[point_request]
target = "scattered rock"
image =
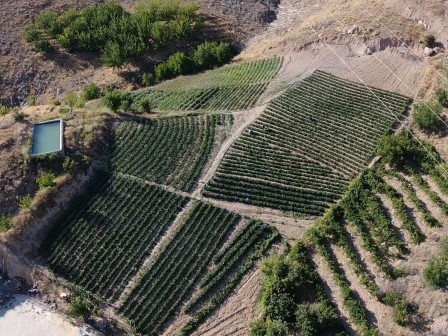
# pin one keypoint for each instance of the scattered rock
(352, 30)
(429, 51)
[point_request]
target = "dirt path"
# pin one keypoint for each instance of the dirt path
(238, 312)
(242, 120)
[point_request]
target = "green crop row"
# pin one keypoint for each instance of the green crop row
(104, 243)
(180, 266)
(321, 124)
(170, 151)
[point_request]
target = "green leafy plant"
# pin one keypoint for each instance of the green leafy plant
(113, 100)
(25, 202)
(69, 165)
(46, 180)
(436, 273)
(5, 223)
(148, 79)
(31, 100)
(442, 97)
(91, 91)
(428, 117)
(430, 41)
(4, 110)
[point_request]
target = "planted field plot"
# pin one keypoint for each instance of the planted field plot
(170, 151)
(225, 89)
(106, 240)
(301, 153)
(182, 265)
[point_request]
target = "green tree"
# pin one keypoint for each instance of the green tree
(5, 223)
(112, 100)
(113, 56)
(91, 91)
(148, 79)
(436, 273)
(403, 149)
(430, 41)
(442, 97)
(428, 117)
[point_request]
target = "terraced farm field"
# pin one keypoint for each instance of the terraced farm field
(229, 88)
(182, 265)
(304, 149)
(104, 242)
(169, 151)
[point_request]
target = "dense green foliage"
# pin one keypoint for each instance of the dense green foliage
(46, 180)
(293, 298)
(206, 56)
(442, 97)
(430, 41)
(104, 241)
(428, 117)
(169, 151)
(436, 273)
(300, 154)
(231, 88)
(5, 223)
(119, 36)
(166, 284)
(404, 150)
(91, 91)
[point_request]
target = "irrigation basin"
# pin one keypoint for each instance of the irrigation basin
(48, 138)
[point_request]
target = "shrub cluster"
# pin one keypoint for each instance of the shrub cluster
(119, 36)
(403, 150)
(293, 298)
(436, 273)
(428, 116)
(206, 56)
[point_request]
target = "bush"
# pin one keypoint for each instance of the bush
(19, 116)
(69, 165)
(442, 97)
(25, 202)
(4, 110)
(56, 102)
(80, 307)
(112, 100)
(145, 105)
(211, 54)
(46, 180)
(148, 79)
(430, 41)
(31, 101)
(428, 117)
(402, 150)
(91, 91)
(436, 273)
(71, 99)
(5, 223)
(401, 306)
(268, 328)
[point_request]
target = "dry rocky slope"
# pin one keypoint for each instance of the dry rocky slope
(303, 33)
